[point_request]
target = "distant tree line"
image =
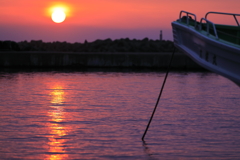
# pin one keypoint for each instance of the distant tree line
(107, 45)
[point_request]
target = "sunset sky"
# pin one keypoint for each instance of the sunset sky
(99, 19)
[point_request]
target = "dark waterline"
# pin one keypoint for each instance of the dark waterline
(102, 115)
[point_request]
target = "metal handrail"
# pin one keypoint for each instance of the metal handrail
(233, 14)
(188, 13)
(208, 26)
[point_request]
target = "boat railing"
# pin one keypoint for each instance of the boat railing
(208, 25)
(232, 14)
(223, 32)
(188, 17)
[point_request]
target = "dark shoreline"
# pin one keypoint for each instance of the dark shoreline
(119, 53)
(80, 60)
(107, 45)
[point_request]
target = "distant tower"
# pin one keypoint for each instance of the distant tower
(160, 35)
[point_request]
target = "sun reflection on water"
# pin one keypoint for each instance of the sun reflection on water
(57, 95)
(57, 129)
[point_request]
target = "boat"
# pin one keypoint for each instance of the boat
(213, 46)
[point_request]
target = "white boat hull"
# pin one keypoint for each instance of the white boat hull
(209, 52)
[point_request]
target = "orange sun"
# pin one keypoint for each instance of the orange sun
(58, 15)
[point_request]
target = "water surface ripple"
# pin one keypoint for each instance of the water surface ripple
(102, 115)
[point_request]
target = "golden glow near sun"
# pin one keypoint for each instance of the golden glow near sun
(58, 15)
(59, 11)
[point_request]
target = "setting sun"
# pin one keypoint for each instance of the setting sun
(58, 15)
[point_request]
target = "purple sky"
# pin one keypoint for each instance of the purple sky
(90, 20)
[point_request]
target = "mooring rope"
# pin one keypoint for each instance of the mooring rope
(159, 96)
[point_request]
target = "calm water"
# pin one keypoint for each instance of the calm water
(102, 115)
